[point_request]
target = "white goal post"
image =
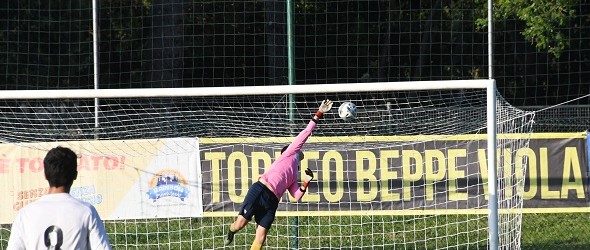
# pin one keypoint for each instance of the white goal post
(408, 172)
(246, 90)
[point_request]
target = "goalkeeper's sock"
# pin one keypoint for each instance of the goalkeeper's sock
(256, 246)
(230, 235)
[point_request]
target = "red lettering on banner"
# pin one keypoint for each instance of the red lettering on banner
(32, 193)
(91, 163)
(83, 163)
(36, 165)
(21, 164)
(110, 163)
(20, 204)
(25, 197)
(95, 160)
(4, 165)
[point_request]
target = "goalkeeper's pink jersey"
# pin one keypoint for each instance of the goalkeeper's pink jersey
(283, 173)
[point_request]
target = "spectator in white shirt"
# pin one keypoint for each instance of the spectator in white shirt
(58, 220)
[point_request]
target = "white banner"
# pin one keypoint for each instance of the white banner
(128, 179)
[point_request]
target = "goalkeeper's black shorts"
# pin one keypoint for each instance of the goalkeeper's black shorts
(260, 203)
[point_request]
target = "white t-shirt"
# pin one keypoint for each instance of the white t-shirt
(58, 221)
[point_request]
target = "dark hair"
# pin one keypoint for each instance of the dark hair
(284, 148)
(61, 167)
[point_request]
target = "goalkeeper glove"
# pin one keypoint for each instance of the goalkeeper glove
(308, 177)
(324, 107)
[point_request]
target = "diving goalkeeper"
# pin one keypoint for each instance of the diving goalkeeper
(262, 199)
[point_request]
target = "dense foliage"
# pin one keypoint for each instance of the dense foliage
(541, 48)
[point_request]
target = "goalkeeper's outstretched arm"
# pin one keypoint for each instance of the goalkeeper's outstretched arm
(294, 189)
(301, 138)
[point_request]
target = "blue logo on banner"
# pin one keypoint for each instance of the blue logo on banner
(168, 183)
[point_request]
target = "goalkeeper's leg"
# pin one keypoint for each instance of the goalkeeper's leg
(260, 238)
(264, 220)
(240, 223)
(247, 210)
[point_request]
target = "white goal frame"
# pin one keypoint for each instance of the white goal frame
(488, 84)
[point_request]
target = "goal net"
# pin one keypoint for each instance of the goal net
(169, 168)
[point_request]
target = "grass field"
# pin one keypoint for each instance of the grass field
(539, 231)
(556, 231)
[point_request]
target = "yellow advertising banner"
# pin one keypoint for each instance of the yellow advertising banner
(125, 179)
(405, 174)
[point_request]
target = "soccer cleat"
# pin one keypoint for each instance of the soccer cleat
(230, 238)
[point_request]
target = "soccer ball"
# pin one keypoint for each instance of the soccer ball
(347, 111)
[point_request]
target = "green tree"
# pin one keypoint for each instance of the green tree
(45, 44)
(543, 20)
